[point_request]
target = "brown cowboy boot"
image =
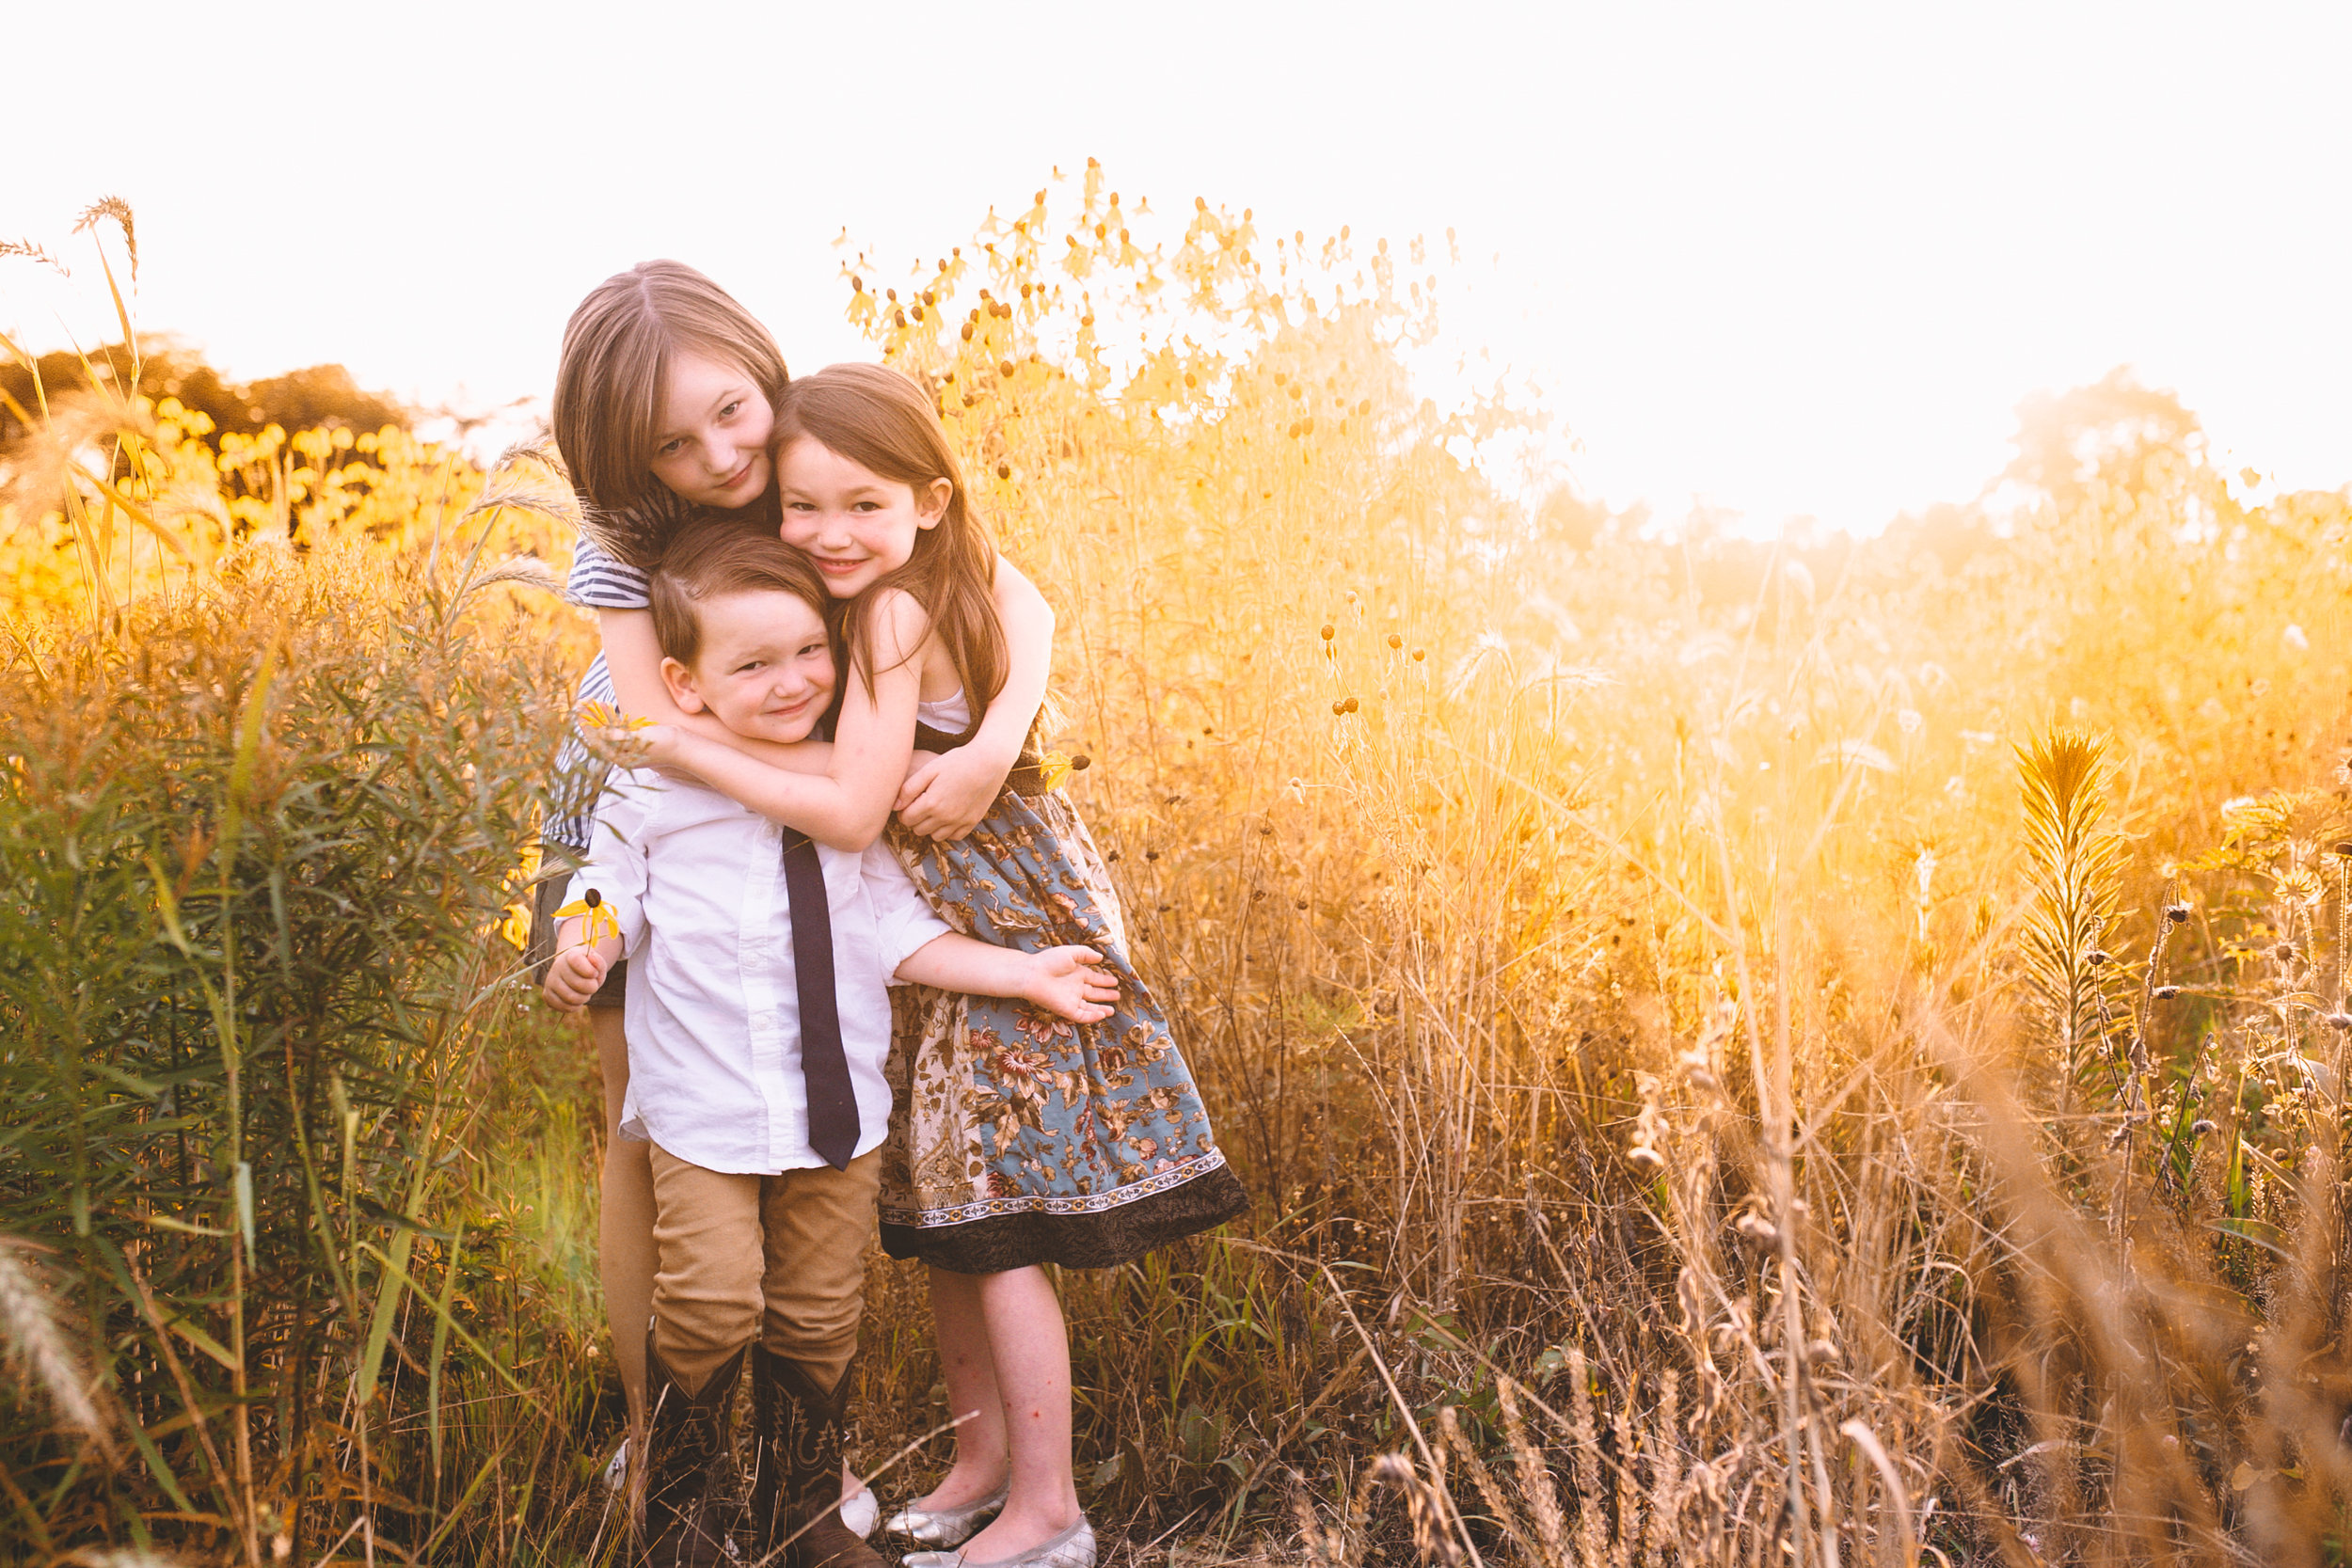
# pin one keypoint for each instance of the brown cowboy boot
(686, 1456)
(796, 1476)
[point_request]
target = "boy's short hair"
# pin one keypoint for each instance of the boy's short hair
(716, 556)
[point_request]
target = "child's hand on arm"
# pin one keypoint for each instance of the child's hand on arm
(947, 793)
(1068, 982)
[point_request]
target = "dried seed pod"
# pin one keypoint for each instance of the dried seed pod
(1646, 1159)
(2201, 1126)
(2098, 957)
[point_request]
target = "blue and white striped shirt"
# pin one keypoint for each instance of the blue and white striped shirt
(598, 581)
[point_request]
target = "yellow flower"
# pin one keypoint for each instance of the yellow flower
(602, 922)
(604, 716)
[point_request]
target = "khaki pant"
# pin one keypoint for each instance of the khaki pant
(779, 1258)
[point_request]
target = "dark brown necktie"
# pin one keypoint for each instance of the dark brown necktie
(833, 1126)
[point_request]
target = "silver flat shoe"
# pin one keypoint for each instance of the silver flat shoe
(947, 1527)
(1072, 1548)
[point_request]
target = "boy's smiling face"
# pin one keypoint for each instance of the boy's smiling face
(765, 668)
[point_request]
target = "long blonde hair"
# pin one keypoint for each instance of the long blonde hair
(609, 389)
(881, 420)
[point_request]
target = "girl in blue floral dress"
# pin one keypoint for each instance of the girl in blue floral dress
(1016, 1140)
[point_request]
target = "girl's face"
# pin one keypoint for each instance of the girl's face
(765, 668)
(711, 445)
(855, 524)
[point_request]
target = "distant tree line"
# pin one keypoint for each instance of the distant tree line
(318, 396)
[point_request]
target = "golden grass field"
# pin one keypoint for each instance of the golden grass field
(1821, 1051)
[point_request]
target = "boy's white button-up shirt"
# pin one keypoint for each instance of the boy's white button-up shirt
(696, 882)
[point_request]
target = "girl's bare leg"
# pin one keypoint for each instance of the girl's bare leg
(1030, 1352)
(969, 1371)
(624, 1252)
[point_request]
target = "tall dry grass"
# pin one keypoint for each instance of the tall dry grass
(1810, 1051)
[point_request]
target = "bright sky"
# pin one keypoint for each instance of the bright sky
(1786, 260)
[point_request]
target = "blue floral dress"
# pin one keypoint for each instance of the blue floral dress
(1017, 1137)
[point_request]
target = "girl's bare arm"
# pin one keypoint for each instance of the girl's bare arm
(946, 795)
(634, 659)
(1029, 665)
(846, 805)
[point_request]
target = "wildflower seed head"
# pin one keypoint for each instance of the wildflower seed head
(2098, 957)
(1646, 1159)
(1395, 642)
(1338, 708)
(2344, 850)
(1350, 706)
(1419, 653)
(2166, 993)
(2340, 1022)
(2177, 914)
(1329, 631)
(1757, 1228)
(1080, 762)
(2285, 951)
(2201, 1126)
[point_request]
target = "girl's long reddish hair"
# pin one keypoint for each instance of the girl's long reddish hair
(881, 420)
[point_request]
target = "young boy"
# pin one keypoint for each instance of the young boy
(756, 1038)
